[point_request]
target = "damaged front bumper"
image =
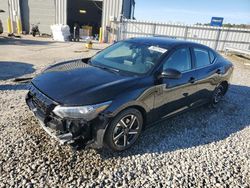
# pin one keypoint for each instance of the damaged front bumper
(63, 138)
(76, 132)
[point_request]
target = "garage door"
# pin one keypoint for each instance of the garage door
(34, 11)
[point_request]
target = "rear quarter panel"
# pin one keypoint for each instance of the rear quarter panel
(209, 78)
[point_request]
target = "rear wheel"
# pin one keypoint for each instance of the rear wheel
(124, 130)
(218, 95)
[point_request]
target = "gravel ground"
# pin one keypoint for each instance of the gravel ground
(202, 148)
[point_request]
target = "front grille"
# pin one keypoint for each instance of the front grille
(40, 105)
(41, 101)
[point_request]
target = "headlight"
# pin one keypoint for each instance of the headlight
(85, 112)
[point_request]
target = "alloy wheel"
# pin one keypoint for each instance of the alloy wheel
(126, 131)
(218, 94)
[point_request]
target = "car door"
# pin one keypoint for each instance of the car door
(177, 94)
(208, 72)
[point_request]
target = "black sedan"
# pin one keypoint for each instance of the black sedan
(107, 100)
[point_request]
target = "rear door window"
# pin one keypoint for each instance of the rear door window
(202, 57)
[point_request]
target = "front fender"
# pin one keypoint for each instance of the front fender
(143, 98)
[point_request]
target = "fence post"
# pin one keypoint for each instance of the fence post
(217, 39)
(124, 29)
(120, 26)
(153, 29)
(225, 40)
(186, 33)
(118, 30)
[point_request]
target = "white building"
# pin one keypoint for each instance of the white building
(96, 13)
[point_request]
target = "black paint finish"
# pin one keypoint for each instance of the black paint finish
(76, 83)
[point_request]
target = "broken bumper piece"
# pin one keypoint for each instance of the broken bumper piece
(66, 131)
(66, 138)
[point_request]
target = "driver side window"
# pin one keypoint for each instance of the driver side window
(180, 60)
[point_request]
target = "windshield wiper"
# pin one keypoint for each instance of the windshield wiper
(106, 68)
(112, 69)
(102, 67)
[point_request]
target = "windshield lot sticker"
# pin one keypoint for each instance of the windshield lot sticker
(157, 49)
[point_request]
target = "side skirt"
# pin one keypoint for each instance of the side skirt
(178, 112)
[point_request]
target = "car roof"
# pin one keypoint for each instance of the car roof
(162, 41)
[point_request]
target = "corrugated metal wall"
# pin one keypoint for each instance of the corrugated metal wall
(111, 8)
(42, 11)
(216, 37)
(61, 11)
(56, 12)
(49, 12)
(12, 10)
(4, 16)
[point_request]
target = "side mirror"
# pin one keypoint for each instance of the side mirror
(171, 74)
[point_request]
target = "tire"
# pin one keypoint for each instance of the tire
(218, 95)
(124, 130)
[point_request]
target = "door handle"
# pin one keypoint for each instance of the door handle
(191, 80)
(218, 71)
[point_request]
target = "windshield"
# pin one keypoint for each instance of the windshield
(129, 57)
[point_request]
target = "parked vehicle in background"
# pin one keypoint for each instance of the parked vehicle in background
(107, 100)
(1, 24)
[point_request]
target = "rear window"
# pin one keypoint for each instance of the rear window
(202, 57)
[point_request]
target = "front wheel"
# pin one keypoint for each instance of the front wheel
(124, 130)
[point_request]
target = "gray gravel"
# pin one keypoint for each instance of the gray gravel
(202, 148)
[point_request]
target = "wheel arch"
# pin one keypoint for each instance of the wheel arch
(101, 132)
(138, 107)
(143, 113)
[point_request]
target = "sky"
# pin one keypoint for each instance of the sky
(193, 11)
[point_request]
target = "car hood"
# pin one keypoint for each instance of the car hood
(76, 83)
